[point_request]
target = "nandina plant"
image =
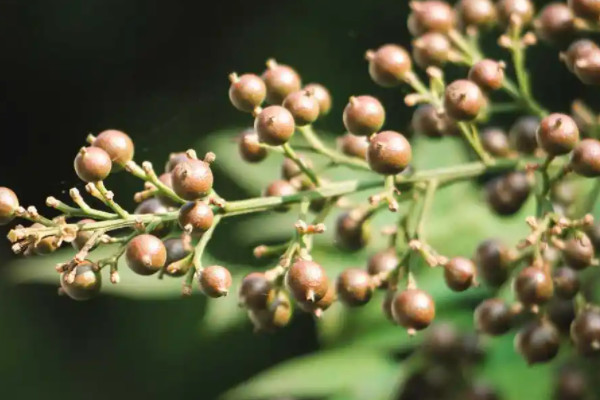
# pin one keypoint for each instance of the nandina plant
(540, 288)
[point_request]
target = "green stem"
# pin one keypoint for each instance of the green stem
(336, 157)
(467, 131)
(201, 246)
(291, 154)
(109, 201)
(426, 208)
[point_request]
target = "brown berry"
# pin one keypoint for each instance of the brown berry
(274, 125)
(9, 203)
(426, 120)
(413, 309)
(587, 69)
(246, 92)
(382, 263)
(561, 313)
(281, 80)
(389, 153)
(352, 231)
(322, 95)
(254, 291)
(578, 252)
(463, 100)
(192, 179)
(118, 145)
(276, 315)
(493, 317)
(154, 205)
(571, 384)
(354, 146)
(363, 115)
(431, 49)
(215, 281)
(307, 281)
(177, 249)
(303, 106)
(578, 50)
(538, 342)
(566, 283)
(522, 134)
(321, 305)
(585, 159)
(521, 9)
(585, 331)
(507, 194)
(459, 273)
(479, 13)
(555, 23)
(146, 254)
(92, 164)
(174, 159)
(586, 9)
(82, 237)
(487, 74)
(430, 15)
(354, 287)
(87, 281)
(495, 141)
(533, 286)
(557, 134)
(250, 148)
(493, 262)
(388, 65)
(280, 188)
(195, 217)
(442, 343)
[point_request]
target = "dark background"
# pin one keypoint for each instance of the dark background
(158, 70)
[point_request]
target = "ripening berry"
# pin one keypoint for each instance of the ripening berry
(538, 342)
(413, 309)
(459, 273)
(561, 313)
(274, 125)
(522, 134)
(177, 249)
(557, 134)
(430, 15)
(192, 179)
(585, 331)
(354, 287)
(487, 74)
(215, 281)
(82, 237)
(174, 159)
(323, 304)
(431, 49)
(585, 160)
(290, 170)
(275, 316)
(533, 286)
(478, 13)
(578, 252)
(351, 231)
(578, 50)
(389, 153)
(442, 343)
(463, 100)
(146, 254)
(570, 385)
(566, 283)
(495, 141)
(303, 106)
(587, 69)
(118, 145)
(492, 262)
(322, 95)
(92, 164)
(521, 9)
(87, 282)
(154, 205)
(586, 9)
(195, 217)
(383, 262)
(354, 146)
(307, 281)
(246, 92)
(555, 23)
(507, 194)
(493, 317)
(388, 65)
(426, 120)
(250, 148)
(254, 291)
(279, 188)
(281, 80)
(363, 115)
(9, 203)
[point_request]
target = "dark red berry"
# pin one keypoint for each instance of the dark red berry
(177, 249)
(495, 142)
(561, 313)
(426, 120)
(254, 291)
(555, 23)
(431, 49)
(118, 145)
(146, 254)
(586, 9)
(578, 252)
(383, 262)
(557, 134)
(82, 237)
(587, 69)
(291, 170)
(321, 305)
(538, 342)
(192, 179)
(322, 95)
(493, 262)
(521, 9)
(250, 148)
(459, 273)
(430, 15)
(522, 134)
(352, 231)
(307, 281)
(566, 282)
(585, 159)
(463, 100)
(388, 65)
(354, 287)
(354, 146)
(534, 286)
(8, 205)
(507, 194)
(303, 106)
(281, 80)
(389, 153)
(363, 115)
(578, 50)
(413, 309)
(274, 125)
(479, 13)
(585, 331)
(92, 164)
(493, 317)
(488, 74)
(246, 92)
(196, 217)
(87, 282)
(276, 315)
(215, 281)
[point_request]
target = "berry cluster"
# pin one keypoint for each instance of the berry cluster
(536, 284)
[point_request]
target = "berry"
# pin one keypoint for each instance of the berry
(493, 317)
(46, 245)
(281, 80)
(479, 13)
(430, 15)
(495, 142)
(87, 282)
(522, 134)
(307, 281)
(586, 9)
(428, 121)
(578, 252)
(323, 304)
(354, 146)
(389, 65)
(442, 343)
(413, 309)
(8, 205)
(82, 237)
(459, 274)
(585, 331)
(431, 49)
(354, 287)
(215, 281)
(303, 106)
(146, 254)
(487, 74)
(290, 170)
(566, 283)
(570, 385)
(154, 205)
(274, 125)
(578, 50)
(177, 249)
(507, 194)
(389, 153)
(587, 69)
(280, 188)
(254, 291)
(322, 95)
(118, 145)
(192, 179)
(561, 313)
(557, 134)
(250, 148)
(351, 231)
(555, 23)
(383, 262)
(492, 262)
(363, 115)
(174, 159)
(593, 233)
(538, 342)
(92, 164)
(195, 217)
(533, 286)
(585, 159)
(463, 100)
(276, 315)
(521, 9)
(247, 91)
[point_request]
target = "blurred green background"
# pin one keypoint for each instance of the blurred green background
(158, 70)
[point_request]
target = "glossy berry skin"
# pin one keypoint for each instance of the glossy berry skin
(463, 100)
(196, 216)
(388, 65)
(479, 13)
(303, 106)
(522, 134)
(321, 305)
(566, 283)
(487, 74)
(354, 287)
(118, 145)
(555, 23)
(154, 205)
(459, 274)
(215, 281)
(177, 249)
(389, 153)
(431, 49)
(561, 313)
(351, 232)
(495, 141)
(249, 147)
(557, 134)
(82, 236)
(92, 164)
(578, 50)
(507, 194)
(307, 281)
(533, 286)
(274, 125)
(87, 282)
(585, 331)
(322, 95)
(383, 262)
(522, 9)
(354, 146)
(281, 80)
(538, 342)
(493, 317)
(174, 159)
(192, 179)
(586, 9)
(413, 309)
(492, 262)
(247, 92)
(587, 69)
(578, 252)
(146, 254)
(426, 120)
(430, 15)
(254, 291)
(585, 160)
(9, 203)
(363, 115)
(276, 315)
